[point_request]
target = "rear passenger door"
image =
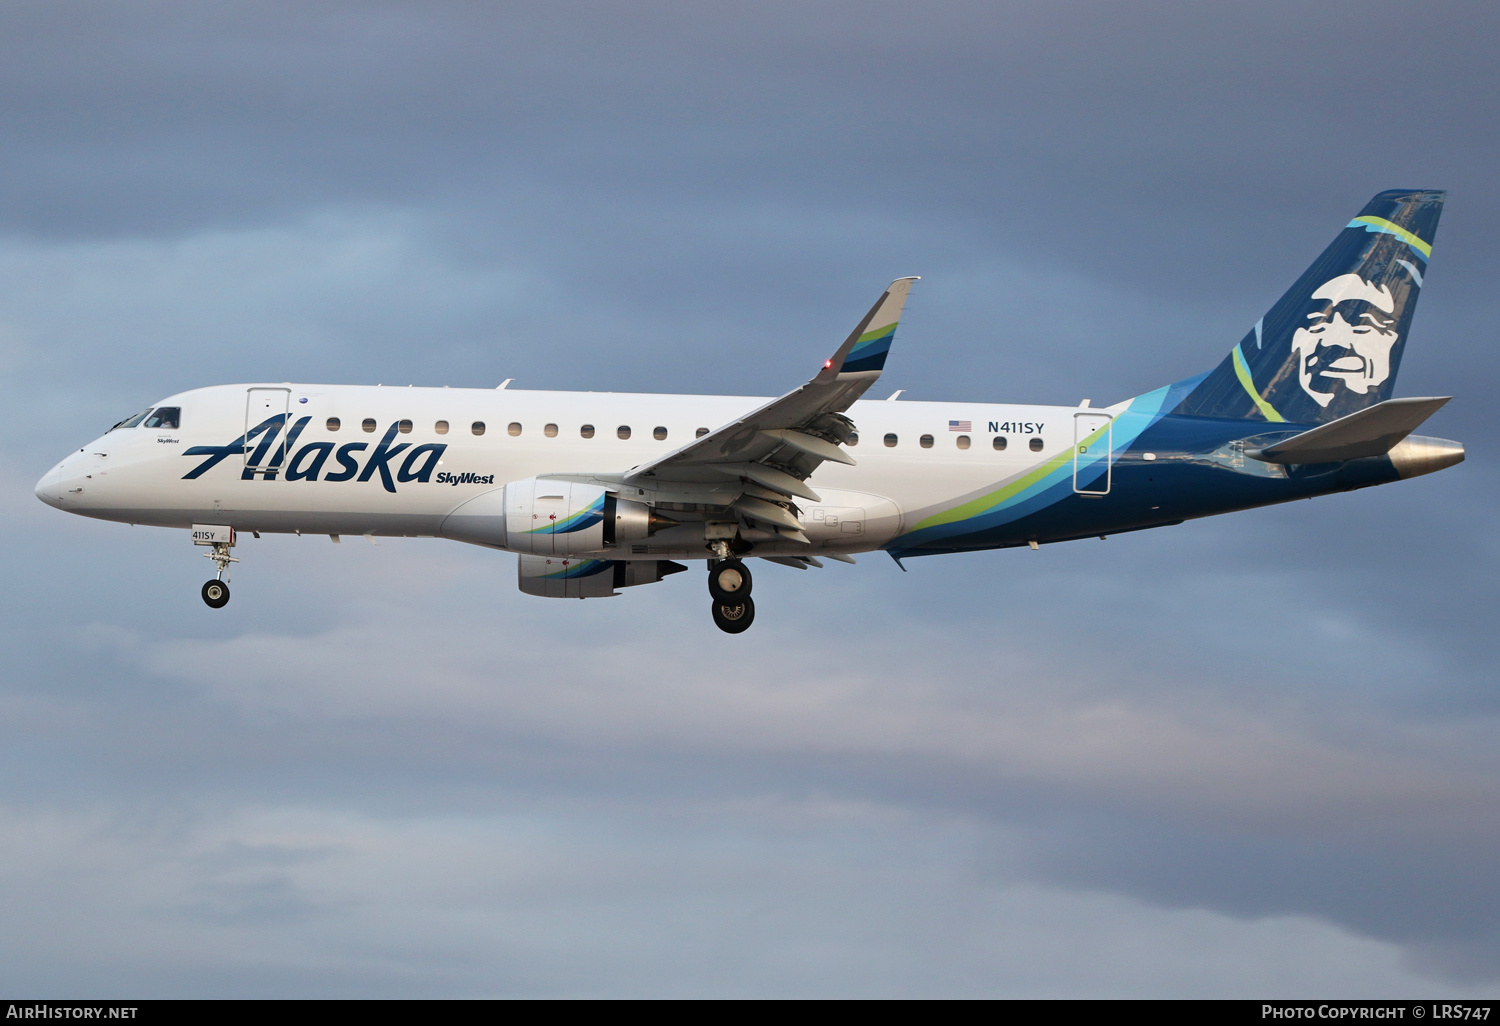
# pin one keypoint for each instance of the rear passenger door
(1093, 444)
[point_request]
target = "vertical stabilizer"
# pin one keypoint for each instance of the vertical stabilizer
(1333, 343)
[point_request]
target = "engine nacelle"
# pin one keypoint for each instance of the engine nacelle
(555, 518)
(561, 577)
(546, 517)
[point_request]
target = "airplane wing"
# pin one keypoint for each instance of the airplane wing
(773, 450)
(1369, 432)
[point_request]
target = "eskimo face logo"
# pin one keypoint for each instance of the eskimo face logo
(1347, 341)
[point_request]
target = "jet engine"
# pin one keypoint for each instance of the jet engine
(547, 517)
(561, 577)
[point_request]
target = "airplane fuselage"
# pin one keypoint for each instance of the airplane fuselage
(930, 476)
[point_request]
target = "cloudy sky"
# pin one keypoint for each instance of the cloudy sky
(1242, 757)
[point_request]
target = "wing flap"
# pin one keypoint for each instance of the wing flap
(769, 477)
(812, 445)
(768, 512)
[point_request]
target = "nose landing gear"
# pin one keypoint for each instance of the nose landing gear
(729, 583)
(219, 541)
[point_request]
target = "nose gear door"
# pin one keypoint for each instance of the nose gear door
(262, 404)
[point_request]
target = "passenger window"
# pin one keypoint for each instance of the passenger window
(853, 438)
(513, 429)
(1000, 442)
(368, 424)
(925, 441)
(701, 432)
(334, 423)
(1036, 445)
(623, 431)
(441, 427)
(660, 434)
(165, 417)
(963, 441)
(477, 427)
(587, 431)
(129, 422)
(550, 430)
(404, 426)
(890, 441)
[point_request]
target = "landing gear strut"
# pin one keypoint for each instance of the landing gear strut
(729, 583)
(216, 592)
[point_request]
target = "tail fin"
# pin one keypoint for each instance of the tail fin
(1332, 344)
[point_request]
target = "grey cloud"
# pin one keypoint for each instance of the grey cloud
(970, 112)
(560, 903)
(1252, 803)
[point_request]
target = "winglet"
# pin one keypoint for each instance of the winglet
(868, 344)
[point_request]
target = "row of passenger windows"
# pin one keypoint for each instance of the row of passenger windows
(891, 440)
(168, 417)
(1000, 442)
(513, 428)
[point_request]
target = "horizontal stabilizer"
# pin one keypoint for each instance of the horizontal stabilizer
(1373, 431)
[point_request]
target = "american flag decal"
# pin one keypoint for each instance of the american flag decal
(960, 425)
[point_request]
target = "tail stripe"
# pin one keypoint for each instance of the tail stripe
(1380, 224)
(1242, 371)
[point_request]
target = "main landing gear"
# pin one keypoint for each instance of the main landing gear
(729, 584)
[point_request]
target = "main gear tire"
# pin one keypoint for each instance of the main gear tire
(734, 617)
(729, 581)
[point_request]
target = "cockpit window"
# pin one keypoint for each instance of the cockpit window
(165, 417)
(131, 421)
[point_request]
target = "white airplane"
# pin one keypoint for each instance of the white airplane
(602, 491)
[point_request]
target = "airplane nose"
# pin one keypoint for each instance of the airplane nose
(50, 488)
